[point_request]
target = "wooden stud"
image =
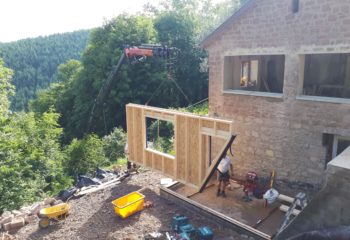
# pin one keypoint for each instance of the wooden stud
(144, 136)
(200, 156)
(187, 147)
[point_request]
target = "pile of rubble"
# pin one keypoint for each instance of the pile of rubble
(11, 221)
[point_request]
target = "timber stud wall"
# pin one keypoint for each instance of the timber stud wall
(190, 163)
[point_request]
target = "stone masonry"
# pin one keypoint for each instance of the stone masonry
(284, 133)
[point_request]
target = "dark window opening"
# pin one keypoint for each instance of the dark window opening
(254, 73)
(295, 6)
(160, 135)
(342, 145)
(327, 75)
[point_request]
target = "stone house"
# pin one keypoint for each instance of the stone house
(281, 70)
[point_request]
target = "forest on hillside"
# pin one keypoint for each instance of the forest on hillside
(44, 149)
(35, 61)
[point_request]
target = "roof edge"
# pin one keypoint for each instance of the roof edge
(237, 14)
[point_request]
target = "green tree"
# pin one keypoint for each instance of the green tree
(6, 89)
(114, 144)
(35, 62)
(84, 156)
(30, 159)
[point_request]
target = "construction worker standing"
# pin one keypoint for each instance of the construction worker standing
(224, 168)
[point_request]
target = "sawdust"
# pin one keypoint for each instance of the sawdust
(93, 217)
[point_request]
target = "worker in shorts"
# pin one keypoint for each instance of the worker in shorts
(224, 168)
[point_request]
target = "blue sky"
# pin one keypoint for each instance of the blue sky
(31, 18)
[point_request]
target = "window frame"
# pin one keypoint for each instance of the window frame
(301, 80)
(251, 57)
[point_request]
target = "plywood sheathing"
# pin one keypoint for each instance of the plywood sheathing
(190, 164)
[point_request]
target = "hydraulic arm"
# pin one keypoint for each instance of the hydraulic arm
(135, 55)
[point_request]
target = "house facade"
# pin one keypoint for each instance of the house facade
(280, 69)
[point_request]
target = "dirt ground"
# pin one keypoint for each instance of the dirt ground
(93, 217)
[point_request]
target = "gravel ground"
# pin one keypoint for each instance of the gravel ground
(92, 216)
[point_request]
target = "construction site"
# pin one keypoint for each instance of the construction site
(279, 109)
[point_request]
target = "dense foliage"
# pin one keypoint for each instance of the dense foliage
(44, 149)
(85, 155)
(114, 145)
(35, 61)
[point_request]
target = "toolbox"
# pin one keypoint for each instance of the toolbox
(205, 233)
(189, 229)
(178, 221)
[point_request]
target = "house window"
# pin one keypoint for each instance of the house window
(327, 75)
(254, 73)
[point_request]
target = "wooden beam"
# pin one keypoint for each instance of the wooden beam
(187, 137)
(216, 162)
(216, 133)
(178, 113)
(200, 153)
(159, 116)
(285, 208)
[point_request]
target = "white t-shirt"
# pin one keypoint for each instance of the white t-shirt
(224, 164)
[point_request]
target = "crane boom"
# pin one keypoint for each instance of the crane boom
(137, 54)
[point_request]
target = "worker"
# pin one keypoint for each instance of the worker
(224, 168)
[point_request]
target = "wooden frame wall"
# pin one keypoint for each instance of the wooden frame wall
(190, 163)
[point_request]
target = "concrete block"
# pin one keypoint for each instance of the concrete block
(7, 226)
(16, 212)
(6, 219)
(6, 214)
(30, 219)
(17, 223)
(49, 200)
(34, 210)
(25, 210)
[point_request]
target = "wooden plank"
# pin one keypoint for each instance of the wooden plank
(285, 198)
(129, 126)
(204, 161)
(144, 137)
(285, 208)
(218, 133)
(180, 137)
(178, 113)
(175, 148)
(216, 162)
(200, 155)
(193, 165)
(169, 166)
(187, 147)
(138, 148)
(160, 116)
(149, 160)
(225, 127)
(158, 162)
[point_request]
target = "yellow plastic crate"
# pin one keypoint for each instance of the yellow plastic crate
(128, 204)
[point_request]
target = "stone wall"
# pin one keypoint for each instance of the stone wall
(283, 132)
